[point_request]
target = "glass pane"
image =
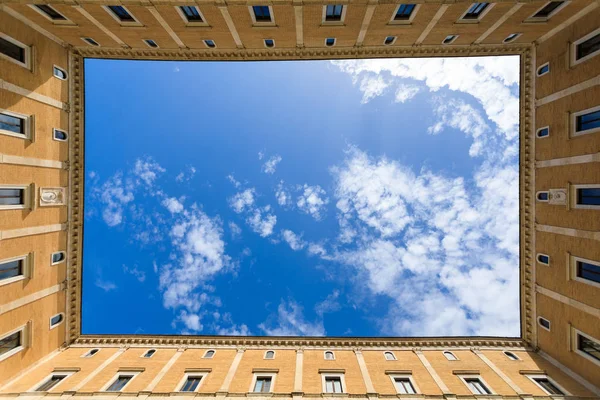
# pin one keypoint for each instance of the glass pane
(58, 257)
(548, 386)
(12, 124)
(56, 319)
(590, 347)
(548, 9)
(10, 342)
(50, 383)
(588, 196)
(11, 197)
(588, 47)
(121, 13)
(12, 50)
(11, 269)
(119, 383)
(51, 12)
(588, 271)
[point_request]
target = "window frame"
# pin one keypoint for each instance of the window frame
(59, 323)
(325, 375)
(265, 355)
(62, 70)
(58, 262)
(85, 38)
(573, 196)
(206, 44)
(552, 381)
(393, 377)
(533, 19)
(143, 355)
(573, 49)
(342, 20)
(464, 377)
(454, 37)
(506, 39)
(265, 43)
(185, 377)
(392, 42)
(541, 129)
(88, 355)
(114, 378)
(573, 117)
(537, 259)
(330, 45)
(575, 344)
(68, 373)
(27, 125)
(28, 202)
(26, 268)
(207, 351)
(256, 375)
(135, 21)
(54, 130)
(65, 21)
(453, 355)
(537, 71)
(407, 21)
(325, 355)
(188, 22)
(540, 200)
(394, 358)
(261, 23)
(462, 20)
(539, 319)
(27, 53)
(148, 44)
(25, 339)
(573, 265)
(506, 353)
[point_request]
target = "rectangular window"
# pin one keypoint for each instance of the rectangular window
(119, 383)
(476, 385)
(476, 11)
(14, 341)
(587, 197)
(587, 270)
(547, 385)
(333, 384)
(191, 13)
(54, 380)
(50, 12)
(261, 13)
(263, 384)
(12, 123)
(11, 269)
(191, 383)
(334, 13)
(14, 51)
(586, 47)
(587, 121)
(404, 385)
(547, 11)
(12, 197)
(404, 12)
(121, 13)
(589, 347)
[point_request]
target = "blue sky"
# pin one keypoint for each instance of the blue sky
(350, 198)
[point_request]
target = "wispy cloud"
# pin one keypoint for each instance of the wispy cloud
(312, 200)
(139, 274)
(295, 241)
(290, 321)
(270, 165)
(107, 286)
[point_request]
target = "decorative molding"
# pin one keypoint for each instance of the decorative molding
(298, 372)
(589, 386)
(232, 369)
(585, 11)
(438, 15)
(52, 196)
(231, 26)
(166, 26)
(557, 162)
(566, 300)
(23, 301)
(34, 230)
(99, 369)
(164, 371)
(364, 371)
(299, 16)
(32, 24)
(498, 371)
(569, 91)
(31, 162)
(440, 383)
(365, 23)
(100, 26)
(568, 231)
(33, 95)
(500, 21)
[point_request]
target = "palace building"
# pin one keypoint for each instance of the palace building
(42, 49)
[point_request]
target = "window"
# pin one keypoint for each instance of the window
(15, 269)
(547, 385)
(511, 356)
(329, 42)
(586, 47)
(262, 384)
(53, 380)
(90, 353)
(151, 43)
(333, 384)
(548, 10)
(261, 14)
(122, 15)
(14, 124)
(404, 13)
(191, 383)
(588, 347)
(389, 40)
(191, 15)
(120, 382)
(59, 73)
(56, 320)
(476, 385)
(404, 385)
(542, 196)
(475, 12)
(59, 135)
(269, 43)
(209, 354)
(543, 132)
(90, 41)
(58, 257)
(329, 355)
(450, 356)
(511, 37)
(210, 43)
(51, 14)
(543, 259)
(449, 39)
(587, 196)
(149, 353)
(586, 271)
(269, 355)
(13, 197)
(334, 13)
(543, 69)
(544, 323)
(14, 341)
(586, 121)
(389, 356)
(15, 51)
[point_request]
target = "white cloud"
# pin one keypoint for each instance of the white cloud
(295, 241)
(329, 305)
(114, 194)
(312, 201)
(372, 86)
(190, 320)
(147, 170)
(186, 175)
(107, 286)
(137, 273)
(233, 181)
(261, 155)
(270, 165)
(262, 221)
(173, 205)
(290, 321)
(282, 195)
(405, 92)
(243, 200)
(235, 230)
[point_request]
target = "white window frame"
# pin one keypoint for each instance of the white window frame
(483, 382)
(135, 21)
(27, 52)
(537, 71)
(552, 381)
(539, 130)
(452, 41)
(185, 377)
(506, 353)
(574, 116)
(25, 339)
(542, 191)
(531, 18)
(61, 261)
(334, 42)
(146, 352)
(192, 23)
(265, 43)
(325, 355)
(48, 377)
(116, 376)
(574, 333)
(410, 378)
(63, 70)
(88, 43)
(573, 196)
(573, 265)
(408, 21)
(207, 46)
(325, 375)
(261, 23)
(88, 355)
(65, 21)
(342, 20)
(542, 254)
(58, 324)
(506, 41)
(60, 130)
(461, 20)
(573, 51)
(393, 355)
(389, 44)
(27, 269)
(265, 355)
(256, 375)
(27, 197)
(147, 44)
(549, 329)
(454, 355)
(206, 352)
(28, 121)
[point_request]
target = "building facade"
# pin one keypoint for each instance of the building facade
(42, 48)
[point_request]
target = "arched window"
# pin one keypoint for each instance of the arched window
(511, 355)
(542, 196)
(56, 320)
(544, 323)
(450, 356)
(91, 353)
(389, 356)
(59, 135)
(58, 257)
(269, 355)
(329, 355)
(209, 354)
(60, 73)
(543, 259)
(149, 353)
(511, 37)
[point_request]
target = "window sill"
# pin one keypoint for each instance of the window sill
(14, 279)
(334, 394)
(11, 352)
(264, 25)
(259, 394)
(198, 25)
(340, 24)
(400, 23)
